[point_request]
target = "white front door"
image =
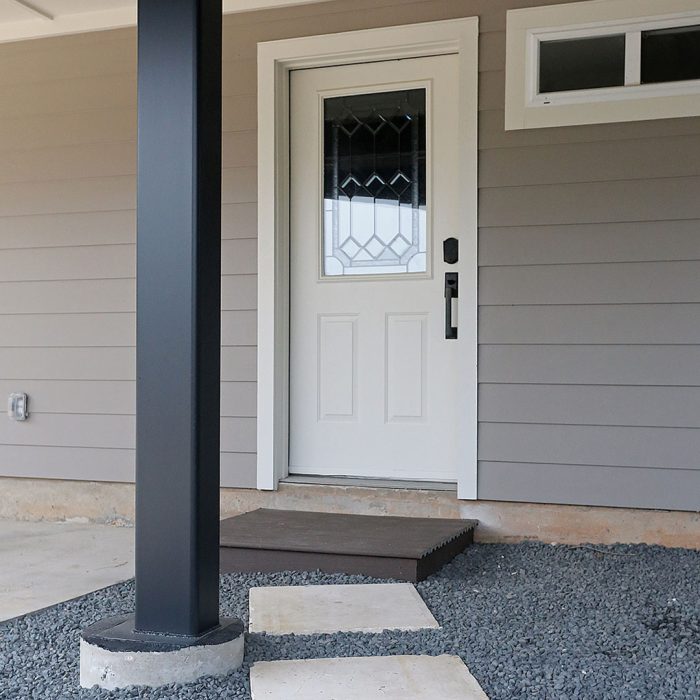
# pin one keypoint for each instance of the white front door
(374, 189)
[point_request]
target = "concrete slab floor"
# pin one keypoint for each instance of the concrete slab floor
(373, 607)
(48, 562)
(366, 678)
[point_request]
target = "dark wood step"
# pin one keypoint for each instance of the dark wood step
(408, 549)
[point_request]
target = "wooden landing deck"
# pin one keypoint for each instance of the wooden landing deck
(408, 549)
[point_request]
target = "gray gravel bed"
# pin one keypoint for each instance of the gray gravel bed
(530, 621)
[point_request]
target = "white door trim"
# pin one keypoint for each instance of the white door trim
(275, 60)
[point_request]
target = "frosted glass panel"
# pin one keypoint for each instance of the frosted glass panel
(374, 200)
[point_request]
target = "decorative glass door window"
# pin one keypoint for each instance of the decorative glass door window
(374, 184)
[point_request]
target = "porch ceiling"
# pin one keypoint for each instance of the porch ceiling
(29, 19)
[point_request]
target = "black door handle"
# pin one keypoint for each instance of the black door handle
(451, 292)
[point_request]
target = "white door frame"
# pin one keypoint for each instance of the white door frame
(275, 60)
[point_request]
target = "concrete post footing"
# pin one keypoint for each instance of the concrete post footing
(113, 655)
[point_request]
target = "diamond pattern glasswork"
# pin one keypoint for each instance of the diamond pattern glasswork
(374, 171)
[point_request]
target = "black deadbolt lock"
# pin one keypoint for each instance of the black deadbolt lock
(450, 250)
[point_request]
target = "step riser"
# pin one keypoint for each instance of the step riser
(405, 549)
(246, 560)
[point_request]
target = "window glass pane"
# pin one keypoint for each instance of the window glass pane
(581, 64)
(374, 184)
(671, 54)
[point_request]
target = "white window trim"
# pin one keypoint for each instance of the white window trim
(526, 109)
(275, 60)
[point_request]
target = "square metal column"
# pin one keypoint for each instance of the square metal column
(178, 316)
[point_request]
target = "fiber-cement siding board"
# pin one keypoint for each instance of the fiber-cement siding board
(657, 365)
(673, 156)
(646, 241)
(605, 445)
(589, 485)
(238, 292)
(68, 196)
(238, 399)
(239, 256)
(93, 363)
(73, 229)
(492, 133)
(239, 364)
(665, 199)
(602, 324)
(70, 430)
(84, 463)
(68, 296)
(68, 330)
(70, 128)
(239, 328)
(70, 61)
(68, 263)
(60, 96)
(238, 434)
(590, 283)
(239, 221)
(238, 470)
(555, 404)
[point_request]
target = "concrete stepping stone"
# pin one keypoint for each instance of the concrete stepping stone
(338, 608)
(366, 678)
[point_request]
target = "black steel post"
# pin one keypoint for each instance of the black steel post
(178, 316)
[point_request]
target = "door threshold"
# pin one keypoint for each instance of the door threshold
(366, 482)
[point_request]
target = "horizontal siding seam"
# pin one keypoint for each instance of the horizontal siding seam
(126, 107)
(118, 210)
(104, 414)
(588, 262)
(106, 279)
(43, 280)
(65, 146)
(71, 245)
(107, 142)
(481, 461)
(72, 212)
(98, 447)
(100, 211)
(619, 384)
(564, 183)
(588, 304)
(66, 447)
(574, 224)
(579, 385)
(93, 347)
(564, 144)
(92, 381)
(635, 426)
(105, 245)
(228, 63)
(113, 176)
(589, 345)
